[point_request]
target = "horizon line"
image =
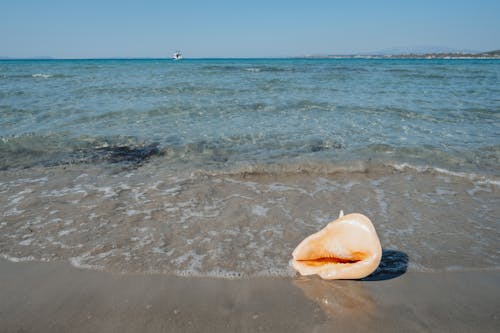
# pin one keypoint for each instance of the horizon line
(379, 53)
(303, 56)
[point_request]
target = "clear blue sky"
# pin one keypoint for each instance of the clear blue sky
(257, 28)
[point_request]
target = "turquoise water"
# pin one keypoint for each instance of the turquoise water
(221, 112)
(221, 167)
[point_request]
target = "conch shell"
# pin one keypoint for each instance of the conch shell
(347, 248)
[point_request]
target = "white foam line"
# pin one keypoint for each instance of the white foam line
(40, 75)
(17, 259)
(469, 176)
(78, 262)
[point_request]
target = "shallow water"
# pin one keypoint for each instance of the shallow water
(221, 167)
(222, 112)
(243, 223)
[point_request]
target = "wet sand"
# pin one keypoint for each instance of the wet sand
(56, 297)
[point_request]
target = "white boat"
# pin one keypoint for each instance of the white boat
(177, 55)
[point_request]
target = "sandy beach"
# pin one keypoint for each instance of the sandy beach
(188, 166)
(56, 297)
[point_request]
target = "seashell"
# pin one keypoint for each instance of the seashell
(347, 248)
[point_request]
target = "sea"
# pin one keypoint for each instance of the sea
(220, 167)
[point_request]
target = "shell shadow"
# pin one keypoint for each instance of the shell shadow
(393, 264)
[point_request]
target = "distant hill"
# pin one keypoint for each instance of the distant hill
(431, 55)
(423, 50)
(495, 53)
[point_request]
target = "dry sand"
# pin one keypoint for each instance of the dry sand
(56, 297)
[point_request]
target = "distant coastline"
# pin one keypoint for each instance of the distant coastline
(410, 55)
(439, 55)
